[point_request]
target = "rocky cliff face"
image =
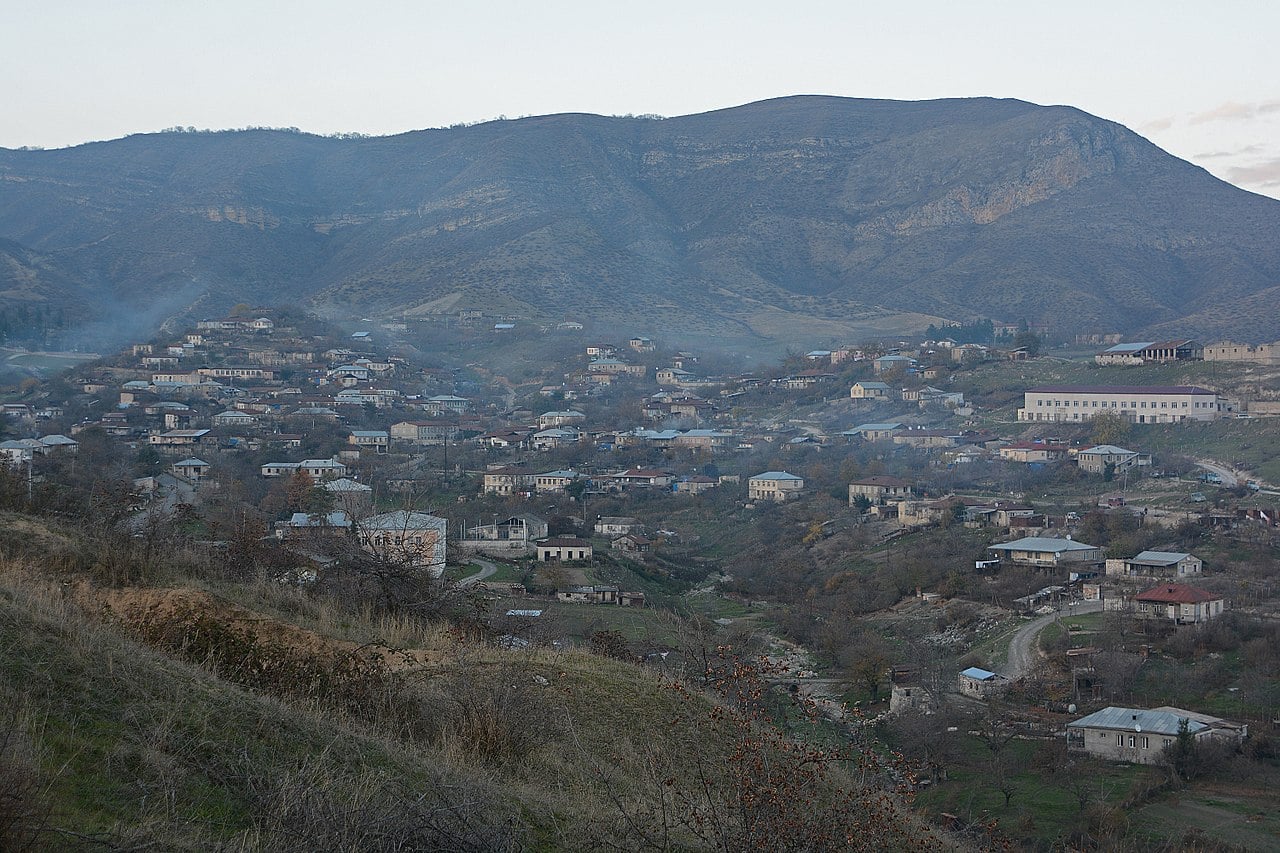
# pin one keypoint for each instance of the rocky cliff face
(765, 220)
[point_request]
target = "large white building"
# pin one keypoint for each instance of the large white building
(1143, 404)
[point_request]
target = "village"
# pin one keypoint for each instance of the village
(613, 479)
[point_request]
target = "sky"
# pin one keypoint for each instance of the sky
(1200, 80)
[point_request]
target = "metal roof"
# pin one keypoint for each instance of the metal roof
(1042, 543)
(978, 674)
(1137, 720)
(1158, 558)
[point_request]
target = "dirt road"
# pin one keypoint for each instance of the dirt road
(1024, 652)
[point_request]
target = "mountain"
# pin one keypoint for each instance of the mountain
(807, 218)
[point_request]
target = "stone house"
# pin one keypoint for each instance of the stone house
(774, 486)
(880, 490)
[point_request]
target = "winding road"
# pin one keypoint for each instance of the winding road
(1023, 651)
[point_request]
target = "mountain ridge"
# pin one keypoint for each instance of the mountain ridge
(856, 215)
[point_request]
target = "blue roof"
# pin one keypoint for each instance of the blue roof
(776, 475)
(978, 674)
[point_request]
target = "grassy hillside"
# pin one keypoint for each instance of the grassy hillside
(195, 715)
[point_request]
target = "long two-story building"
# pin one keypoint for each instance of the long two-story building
(1143, 404)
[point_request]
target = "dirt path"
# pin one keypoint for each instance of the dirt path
(1023, 649)
(487, 569)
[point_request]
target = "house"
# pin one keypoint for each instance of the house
(415, 539)
(1144, 404)
(617, 525)
(377, 440)
(446, 404)
(233, 419)
(1141, 736)
(928, 395)
(1046, 552)
(980, 683)
(673, 376)
(424, 432)
(887, 363)
(509, 537)
(879, 490)
(641, 344)
(1183, 604)
(334, 524)
(317, 469)
(870, 391)
(509, 480)
(615, 367)
(632, 543)
(873, 432)
(774, 486)
(379, 398)
(588, 595)
(59, 444)
(1031, 452)
(179, 438)
(191, 469)
(554, 481)
(559, 549)
(639, 478)
(701, 439)
(923, 513)
(16, 451)
(694, 485)
(570, 417)
(804, 379)
(549, 439)
(503, 439)
(931, 438)
(1167, 565)
(1096, 459)
(352, 497)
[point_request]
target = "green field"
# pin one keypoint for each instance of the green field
(1047, 800)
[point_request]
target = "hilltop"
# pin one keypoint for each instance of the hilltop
(839, 217)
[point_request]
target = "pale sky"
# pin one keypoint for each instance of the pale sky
(1201, 80)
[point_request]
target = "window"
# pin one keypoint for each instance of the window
(1119, 740)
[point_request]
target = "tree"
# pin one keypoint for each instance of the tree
(1109, 428)
(1028, 341)
(298, 490)
(866, 659)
